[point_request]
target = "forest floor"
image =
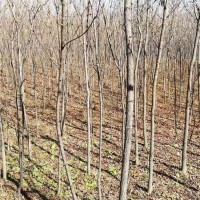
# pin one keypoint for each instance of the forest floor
(41, 170)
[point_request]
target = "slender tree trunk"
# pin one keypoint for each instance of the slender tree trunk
(87, 88)
(59, 120)
(181, 79)
(169, 77)
(123, 106)
(198, 71)
(21, 132)
(100, 132)
(187, 107)
(3, 149)
(145, 78)
(100, 85)
(129, 100)
(136, 98)
(35, 92)
(136, 88)
(175, 100)
(160, 48)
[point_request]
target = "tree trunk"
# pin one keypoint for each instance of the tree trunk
(187, 107)
(59, 107)
(87, 88)
(145, 77)
(129, 100)
(160, 48)
(198, 71)
(3, 149)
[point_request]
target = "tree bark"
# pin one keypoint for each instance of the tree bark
(129, 100)
(188, 99)
(85, 26)
(145, 77)
(3, 149)
(153, 108)
(59, 120)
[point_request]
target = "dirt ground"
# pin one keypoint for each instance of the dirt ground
(41, 170)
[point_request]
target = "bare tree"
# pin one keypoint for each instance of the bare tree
(85, 27)
(3, 149)
(59, 105)
(153, 108)
(129, 100)
(145, 74)
(188, 98)
(198, 66)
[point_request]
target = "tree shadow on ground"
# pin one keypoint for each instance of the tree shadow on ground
(141, 187)
(163, 174)
(27, 194)
(176, 180)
